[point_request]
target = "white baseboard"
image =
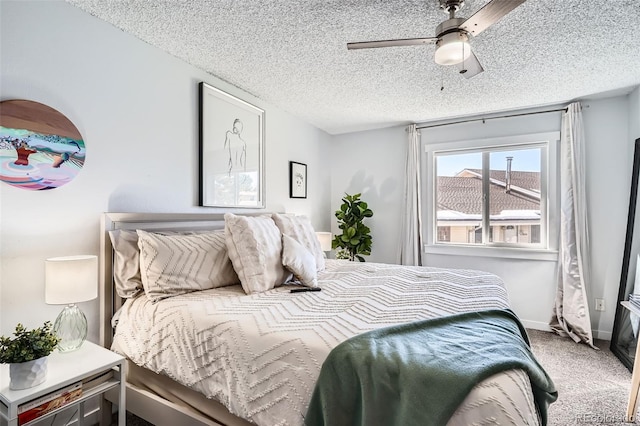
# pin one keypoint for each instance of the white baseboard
(602, 335)
(542, 326)
(535, 325)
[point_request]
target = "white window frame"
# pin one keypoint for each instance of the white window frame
(549, 178)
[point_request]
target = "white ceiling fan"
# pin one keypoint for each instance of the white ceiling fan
(452, 36)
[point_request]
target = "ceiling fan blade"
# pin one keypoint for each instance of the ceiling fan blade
(490, 13)
(390, 43)
(471, 66)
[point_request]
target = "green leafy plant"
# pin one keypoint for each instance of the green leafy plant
(27, 345)
(342, 254)
(356, 236)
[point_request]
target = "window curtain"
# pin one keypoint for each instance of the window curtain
(571, 311)
(410, 252)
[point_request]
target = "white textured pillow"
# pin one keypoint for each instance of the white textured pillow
(178, 264)
(126, 263)
(299, 261)
(300, 229)
(255, 249)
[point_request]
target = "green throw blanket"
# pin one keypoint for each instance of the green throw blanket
(419, 373)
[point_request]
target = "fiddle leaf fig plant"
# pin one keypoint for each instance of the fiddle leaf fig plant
(356, 236)
(27, 345)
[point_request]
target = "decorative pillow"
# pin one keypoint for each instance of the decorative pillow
(181, 263)
(255, 249)
(299, 261)
(300, 229)
(126, 263)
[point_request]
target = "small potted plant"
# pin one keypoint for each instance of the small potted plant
(26, 355)
(342, 254)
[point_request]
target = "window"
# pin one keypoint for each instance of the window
(490, 196)
(492, 193)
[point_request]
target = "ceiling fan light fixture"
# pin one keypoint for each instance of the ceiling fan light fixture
(452, 48)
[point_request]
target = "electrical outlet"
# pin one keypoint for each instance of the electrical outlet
(599, 304)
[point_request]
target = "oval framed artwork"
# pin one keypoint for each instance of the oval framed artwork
(39, 147)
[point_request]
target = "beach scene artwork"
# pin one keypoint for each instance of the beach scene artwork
(40, 148)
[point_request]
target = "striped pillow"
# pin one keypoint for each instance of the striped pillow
(255, 249)
(178, 264)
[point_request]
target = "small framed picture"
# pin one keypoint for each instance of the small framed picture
(297, 180)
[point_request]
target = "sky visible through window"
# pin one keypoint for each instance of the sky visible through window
(525, 160)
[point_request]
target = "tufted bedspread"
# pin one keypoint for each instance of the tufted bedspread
(260, 354)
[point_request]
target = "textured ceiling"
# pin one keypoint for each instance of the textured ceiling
(292, 53)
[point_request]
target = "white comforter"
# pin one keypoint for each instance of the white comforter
(261, 354)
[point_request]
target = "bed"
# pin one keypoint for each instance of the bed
(222, 356)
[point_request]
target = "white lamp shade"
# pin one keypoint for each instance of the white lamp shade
(452, 49)
(71, 279)
(325, 240)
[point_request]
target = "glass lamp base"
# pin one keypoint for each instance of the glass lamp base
(71, 328)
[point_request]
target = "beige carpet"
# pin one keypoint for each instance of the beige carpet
(593, 385)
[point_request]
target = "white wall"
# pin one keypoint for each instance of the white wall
(372, 163)
(609, 162)
(378, 156)
(137, 109)
(634, 114)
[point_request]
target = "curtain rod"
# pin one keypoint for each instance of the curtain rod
(491, 118)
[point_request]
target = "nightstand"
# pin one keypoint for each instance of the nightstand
(100, 370)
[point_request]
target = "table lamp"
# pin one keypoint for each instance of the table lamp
(325, 240)
(70, 280)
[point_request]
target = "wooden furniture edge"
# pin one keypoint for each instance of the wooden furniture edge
(632, 405)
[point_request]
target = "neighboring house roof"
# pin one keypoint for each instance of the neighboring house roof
(463, 193)
(527, 180)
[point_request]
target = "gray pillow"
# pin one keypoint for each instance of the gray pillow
(126, 263)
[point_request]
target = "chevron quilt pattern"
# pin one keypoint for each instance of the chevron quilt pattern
(261, 354)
